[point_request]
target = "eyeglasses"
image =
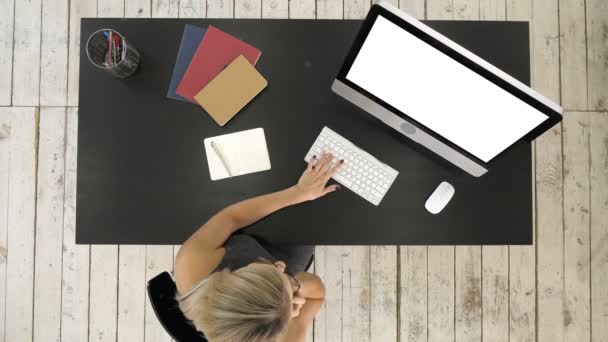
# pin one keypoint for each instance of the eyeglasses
(295, 284)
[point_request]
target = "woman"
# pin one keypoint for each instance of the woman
(235, 288)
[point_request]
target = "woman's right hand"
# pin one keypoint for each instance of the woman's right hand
(313, 182)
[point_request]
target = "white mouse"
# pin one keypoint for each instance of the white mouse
(439, 198)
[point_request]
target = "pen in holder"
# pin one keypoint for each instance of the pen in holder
(110, 51)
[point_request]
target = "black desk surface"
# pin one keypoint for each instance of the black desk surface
(143, 176)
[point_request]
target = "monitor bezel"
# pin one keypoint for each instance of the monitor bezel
(553, 117)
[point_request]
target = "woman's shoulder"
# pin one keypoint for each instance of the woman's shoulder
(191, 267)
(194, 265)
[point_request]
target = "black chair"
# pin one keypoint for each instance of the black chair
(161, 292)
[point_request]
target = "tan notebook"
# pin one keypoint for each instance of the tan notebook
(231, 90)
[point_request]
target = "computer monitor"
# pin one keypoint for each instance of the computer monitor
(439, 94)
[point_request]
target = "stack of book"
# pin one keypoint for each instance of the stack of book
(215, 70)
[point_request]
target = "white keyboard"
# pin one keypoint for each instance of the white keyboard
(362, 173)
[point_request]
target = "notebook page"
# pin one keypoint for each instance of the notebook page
(245, 152)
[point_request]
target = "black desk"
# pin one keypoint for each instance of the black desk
(143, 176)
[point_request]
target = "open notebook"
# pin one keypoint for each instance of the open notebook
(242, 153)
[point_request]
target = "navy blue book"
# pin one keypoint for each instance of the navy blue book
(191, 38)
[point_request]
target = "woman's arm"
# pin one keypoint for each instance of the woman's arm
(203, 250)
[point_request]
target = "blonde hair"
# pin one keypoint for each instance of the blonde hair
(248, 304)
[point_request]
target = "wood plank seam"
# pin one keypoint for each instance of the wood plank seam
(590, 220)
(65, 152)
(36, 150)
(481, 289)
(398, 291)
(508, 276)
(13, 59)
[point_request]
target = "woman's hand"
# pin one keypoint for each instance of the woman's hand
(312, 183)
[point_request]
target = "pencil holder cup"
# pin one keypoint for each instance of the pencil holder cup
(112, 52)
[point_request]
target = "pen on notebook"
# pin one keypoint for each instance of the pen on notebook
(221, 156)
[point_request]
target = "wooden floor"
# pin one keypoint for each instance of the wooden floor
(54, 290)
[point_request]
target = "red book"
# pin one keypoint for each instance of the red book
(216, 51)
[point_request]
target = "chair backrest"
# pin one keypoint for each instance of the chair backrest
(161, 292)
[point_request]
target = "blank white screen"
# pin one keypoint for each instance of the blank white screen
(440, 93)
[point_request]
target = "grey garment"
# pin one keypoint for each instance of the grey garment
(242, 249)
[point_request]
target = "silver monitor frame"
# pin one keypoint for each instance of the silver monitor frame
(407, 128)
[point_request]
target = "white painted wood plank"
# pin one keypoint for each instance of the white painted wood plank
(247, 8)
(440, 293)
(21, 219)
(192, 8)
(330, 9)
(110, 8)
(4, 173)
(26, 55)
(138, 9)
(495, 293)
(328, 266)
(492, 10)
(413, 294)
(467, 306)
(132, 259)
(320, 322)
(522, 294)
(549, 189)
(519, 10)
(466, 10)
(78, 10)
(356, 9)
(75, 274)
(356, 306)
(131, 293)
(275, 9)
(54, 53)
(597, 54)
(495, 259)
(415, 8)
(573, 57)
(165, 8)
(599, 226)
(522, 259)
(103, 298)
(550, 262)
(440, 269)
(302, 9)
(383, 308)
(468, 258)
(545, 49)
(577, 308)
(439, 9)
(220, 8)
(7, 11)
(522, 279)
(158, 259)
(49, 225)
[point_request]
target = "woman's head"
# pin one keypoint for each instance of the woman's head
(253, 303)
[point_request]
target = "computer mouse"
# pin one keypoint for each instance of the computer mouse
(439, 198)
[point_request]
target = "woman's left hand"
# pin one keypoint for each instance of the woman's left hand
(312, 183)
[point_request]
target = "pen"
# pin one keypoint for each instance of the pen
(221, 156)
